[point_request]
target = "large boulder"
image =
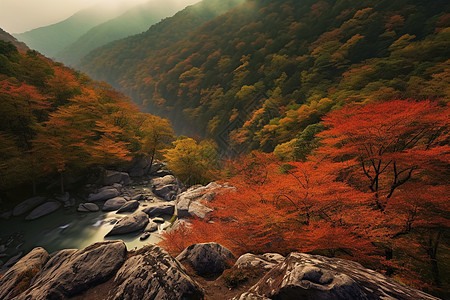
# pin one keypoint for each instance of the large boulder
(305, 276)
(191, 203)
(88, 207)
(250, 296)
(130, 223)
(162, 209)
(151, 273)
(43, 210)
(166, 187)
(130, 206)
(28, 205)
(151, 226)
(103, 194)
(19, 276)
(140, 166)
(206, 258)
(114, 204)
(70, 272)
(266, 261)
(66, 200)
(112, 177)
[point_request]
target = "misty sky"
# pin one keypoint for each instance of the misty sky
(17, 16)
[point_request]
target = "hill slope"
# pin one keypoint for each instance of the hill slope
(135, 20)
(51, 39)
(56, 121)
(267, 69)
(106, 62)
(4, 36)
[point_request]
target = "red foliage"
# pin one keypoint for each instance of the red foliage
(375, 193)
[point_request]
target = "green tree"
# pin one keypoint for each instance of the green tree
(191, 161)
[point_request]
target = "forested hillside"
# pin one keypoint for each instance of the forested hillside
(4, 36)
(123, 57)
(266, 70)
(56, 121)
(135, 20)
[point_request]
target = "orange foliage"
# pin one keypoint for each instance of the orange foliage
(284, 208)
(388, 142)
(394, 152)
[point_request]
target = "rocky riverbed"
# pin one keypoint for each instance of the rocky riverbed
(107, 270)
(135, 210)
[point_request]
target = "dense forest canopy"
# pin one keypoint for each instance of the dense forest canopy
(56, 120)
(260, 74)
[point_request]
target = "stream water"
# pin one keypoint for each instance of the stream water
(67, 229)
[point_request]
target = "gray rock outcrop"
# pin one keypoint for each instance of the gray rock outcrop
(70, 272)
(30, 264)
(141, 166)
(206, 258)
(250, 296)
(266, 261)
(131, 223)
(43, 210)
(28, 205)
(153, 274)
(305, 276)
(112, 177)
(114, 204)
(166, 187)
(191, 203)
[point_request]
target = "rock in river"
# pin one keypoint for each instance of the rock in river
(129, 206)
(163, 209)
(166, 187)
(103, 194)
(88, 207)
(131, 223)
(151, 226)
(28, 205)
(44, 209)
(114, 204)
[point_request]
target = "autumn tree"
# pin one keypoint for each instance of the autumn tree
(156, 135)
(191, 161)
(397, 151)
(285, 207)
(389, 142)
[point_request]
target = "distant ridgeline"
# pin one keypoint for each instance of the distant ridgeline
(56, 120)
(260, 74)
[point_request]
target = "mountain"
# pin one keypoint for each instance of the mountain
(264, 71)
(51, 39)
(4, 36)
(159, 36)
(135, 20)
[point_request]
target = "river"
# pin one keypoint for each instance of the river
(67, 229)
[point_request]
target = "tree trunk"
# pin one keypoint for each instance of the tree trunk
(33, 182)
(389, 254)
(433, 245)
(152, 158)
(62, 182)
